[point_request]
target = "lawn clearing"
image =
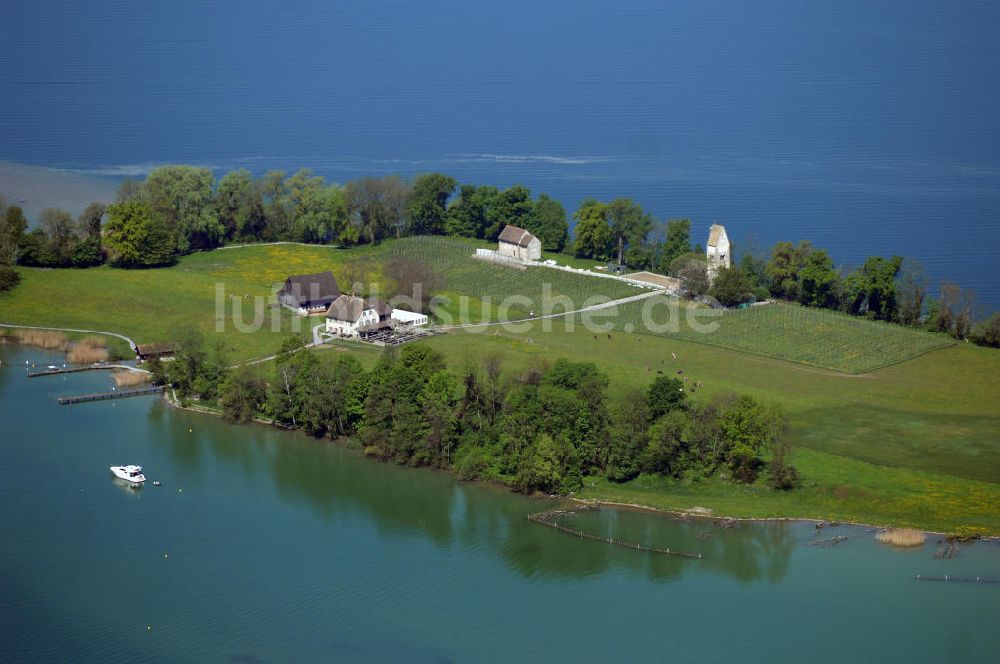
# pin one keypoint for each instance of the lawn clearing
(817, 337)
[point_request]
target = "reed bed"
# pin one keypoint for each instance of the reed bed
(901, 537)
(87, 351)
(47, 339)
(130, 378)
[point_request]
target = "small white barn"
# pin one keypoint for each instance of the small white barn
(350, 316)
(411, 318)
(717, 250)
(519, 243)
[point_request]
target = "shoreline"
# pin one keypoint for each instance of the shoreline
(171, 398)
(673, 512)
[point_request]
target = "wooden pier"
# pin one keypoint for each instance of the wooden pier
(548, 519)
(69, 370)
(956, 579)
(102, 396)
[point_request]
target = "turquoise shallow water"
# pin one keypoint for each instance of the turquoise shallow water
(266, 546)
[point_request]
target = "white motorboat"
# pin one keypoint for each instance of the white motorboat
(129, 473)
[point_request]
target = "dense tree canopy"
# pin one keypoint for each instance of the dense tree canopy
(133, 239)
(593, 234)
(549, 223)
(428, 203)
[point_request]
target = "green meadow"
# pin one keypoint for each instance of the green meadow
(915, 443)
(890, 425)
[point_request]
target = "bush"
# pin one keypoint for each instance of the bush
(473, 463)
(9, 278)
(987, 333)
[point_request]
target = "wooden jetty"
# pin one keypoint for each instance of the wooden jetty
(117, 394)
(548, 519)
(956, 579)
(69, 370)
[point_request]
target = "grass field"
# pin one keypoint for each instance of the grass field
(912, 442)
(916, 443)
(486, 281)
(818, 337)
(150, 305)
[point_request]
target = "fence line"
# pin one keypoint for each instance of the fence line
(548, 519)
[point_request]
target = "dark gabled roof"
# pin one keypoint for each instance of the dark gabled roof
(317, 287)
(348, 308)
(164, 348)
(514, 235)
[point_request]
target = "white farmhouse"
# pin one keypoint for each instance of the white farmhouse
(519, 243)
(717, 250)
(351, 316)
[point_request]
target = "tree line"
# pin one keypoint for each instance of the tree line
(180, 209)
(544, 429)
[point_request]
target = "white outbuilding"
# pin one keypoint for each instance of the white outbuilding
(717, 250)
(519, 243)
(404, 317)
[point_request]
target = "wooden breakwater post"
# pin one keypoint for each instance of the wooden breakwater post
(102, 396)
(956, 579)
(547, 519)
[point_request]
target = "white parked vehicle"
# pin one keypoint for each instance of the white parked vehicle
(129, 473)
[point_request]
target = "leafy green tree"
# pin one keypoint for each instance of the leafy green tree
(665, 451)
(12, 228)
(731, 287)
(818, 281)
(692, 270)
(628, 437)
(782, 270)
(279, 212)
(133, 239)
(664, 395)
(437, 407)
(593, 234)
(242, 394)
(88, 224)
(541, 468)
(629, 225)
(239, 203)
(677, 243)
(36, 250)
(428, 204)
(87, 253)
(9, 278)
(323, 216)
(748, 428)
(783, 475)
(379, 205)
(987, 333)
(61, 233)
(511, 206)
(871, 290)
(181, 199)
(911, 286)
(467, 215)
(549, 223)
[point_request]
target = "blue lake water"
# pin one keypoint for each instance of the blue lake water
(268, 546)
(866, 127)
